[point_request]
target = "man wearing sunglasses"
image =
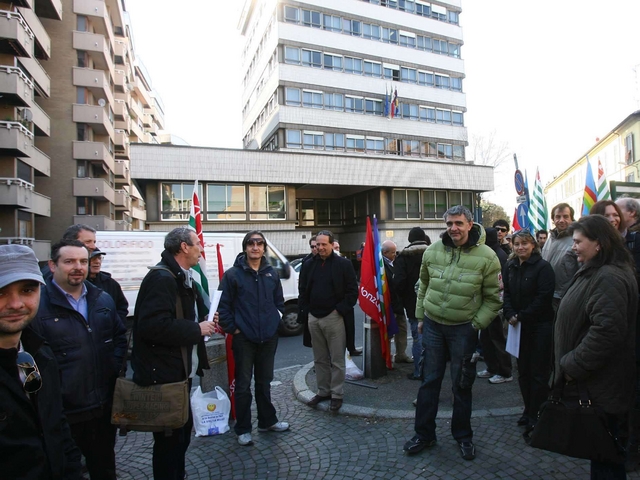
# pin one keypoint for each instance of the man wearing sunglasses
(250, 309)
(502, 227)
(35, 440)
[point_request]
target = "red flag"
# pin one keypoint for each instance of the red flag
(368, 291)
(515, 224)
(231, 363)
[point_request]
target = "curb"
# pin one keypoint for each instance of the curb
(304, 394)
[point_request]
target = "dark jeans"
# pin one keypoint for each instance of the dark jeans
(257, 359)
(458, 341)
(605, 470)
(534, 366)
(96, 439)
(494, 346)
(169, 451)
(416, 348)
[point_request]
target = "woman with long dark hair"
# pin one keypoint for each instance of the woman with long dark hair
(611, 211)
(529, 283)
(594, 342)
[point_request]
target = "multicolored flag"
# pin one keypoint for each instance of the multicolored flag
(538, 215)
(590, 191)
(603, 186)
(515, 224)
(199, 272)
(395, 108)
(387, 104)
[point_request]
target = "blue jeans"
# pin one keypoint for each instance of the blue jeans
(256, 358)
(459, 341)
(416, 349)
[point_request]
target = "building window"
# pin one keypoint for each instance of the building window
(332, 23)
(426, 78)
(311, 99)
(408, 75)
(443, 116)
(81, 95)
(424, 43)
(313, 140)
(407, 41)
(372, 69)
(375, 145)
(83, 59)
(457, 118)
(410, 111)
(427, 114)
(82, 25)
(428, 149)
(371, 32)
(629, 157)
(434, 203)
(306, 216)
(291, 14)
(456, 84)
(312, 58)
(332, 62)
(406, 204)
(226, 202)
(334, 141)
(176, 200)
(267, 202)
(334, 101)
(458, 152)
(292, 96)
(354, 104)
(294, 139)
(461, 198)
(389, 35)
(393, 146)
(445, 151)
(355, 143)
(329, 212)
(442, 82)
(311, 18)
(25, 224)
(353, 65)
(292, 55)
(373, 107)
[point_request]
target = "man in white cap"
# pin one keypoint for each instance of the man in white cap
(35, 440)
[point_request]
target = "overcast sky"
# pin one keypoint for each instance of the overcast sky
(547, 77)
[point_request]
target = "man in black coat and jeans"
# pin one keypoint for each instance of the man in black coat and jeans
(160, 332)
(35, 440)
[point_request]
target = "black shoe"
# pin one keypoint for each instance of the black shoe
(417, 444)
(336, 404)
(527, 434)
(523, 421)
(355, 353)
(411, 377)
(467, 450)
(317, 399)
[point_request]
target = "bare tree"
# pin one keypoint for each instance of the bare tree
(488, 150)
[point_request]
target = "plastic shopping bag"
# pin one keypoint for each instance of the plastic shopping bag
(352, 371)
(210, 412)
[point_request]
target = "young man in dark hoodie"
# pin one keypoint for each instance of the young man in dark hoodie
(407, 271)
(492, 338)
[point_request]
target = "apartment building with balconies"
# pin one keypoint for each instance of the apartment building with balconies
(96, 113)
(25, 51)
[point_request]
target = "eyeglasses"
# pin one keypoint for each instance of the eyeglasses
(313, 246)
(501, 229)
(255, 241)
(33, 380)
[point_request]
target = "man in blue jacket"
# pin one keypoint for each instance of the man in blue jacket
(250, 309)
(88, 338)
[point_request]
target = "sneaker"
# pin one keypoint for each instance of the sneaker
(417, 444)
(500, 379)
(485, 374)
(467, 450)
(276, 427)
(245, 439)
(400, 359)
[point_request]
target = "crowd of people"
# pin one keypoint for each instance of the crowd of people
(572, 292)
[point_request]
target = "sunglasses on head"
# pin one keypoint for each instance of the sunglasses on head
(33, 380)
(255, 241)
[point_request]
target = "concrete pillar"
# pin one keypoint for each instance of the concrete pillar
(216, 376)
(374, 364)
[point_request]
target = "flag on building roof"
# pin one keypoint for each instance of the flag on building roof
(590, 192)
(603, 185)
(199, 272)
(538, 214)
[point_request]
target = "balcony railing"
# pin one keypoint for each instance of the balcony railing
(15, 33)
(15, 87)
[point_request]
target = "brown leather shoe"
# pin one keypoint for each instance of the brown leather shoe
(336, 404)
(317, 399)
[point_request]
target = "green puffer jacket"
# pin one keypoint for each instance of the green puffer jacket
(460, 284)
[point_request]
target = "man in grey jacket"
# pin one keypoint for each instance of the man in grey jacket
(557, 251)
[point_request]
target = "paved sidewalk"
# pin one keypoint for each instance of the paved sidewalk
(347, 446)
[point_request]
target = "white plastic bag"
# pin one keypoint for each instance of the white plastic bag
(210, 412)
(352, 372)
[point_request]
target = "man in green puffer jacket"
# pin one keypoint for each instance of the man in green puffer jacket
(459, 294)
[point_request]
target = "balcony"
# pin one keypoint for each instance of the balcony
(97, 46)
(123, 200)
(139, 213)
(94, 115)
(153, 130)
(39, 161)
(137, 133)
(40, 119)
(95, 152)
(120, 79)
(147, 120)
(99, 222)
(49, 9)
(40, 77)
(15, 140)
(16, 192)
(97, 10)
(42, 248)
(16, 38)
(122, 172)
(136, 109)
(15, 87)
(142, 92)
(124, 124)
(97, 188)
(42, 47)
(120, 109)
(123, 226)
(95, 80)
(120, 50)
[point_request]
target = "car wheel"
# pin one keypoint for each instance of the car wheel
(289, 326)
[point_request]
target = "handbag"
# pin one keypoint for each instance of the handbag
(573, 426)
(155, 408)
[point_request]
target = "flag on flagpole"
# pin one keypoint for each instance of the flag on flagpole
(515, 224)
(590, 191)
(603, 186)
(228, 342)
(199, 271)
(395, 109)
(368, 296)
(386, 102)
(538, 206)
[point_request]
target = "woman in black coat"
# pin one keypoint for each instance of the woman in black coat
(529, 283)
